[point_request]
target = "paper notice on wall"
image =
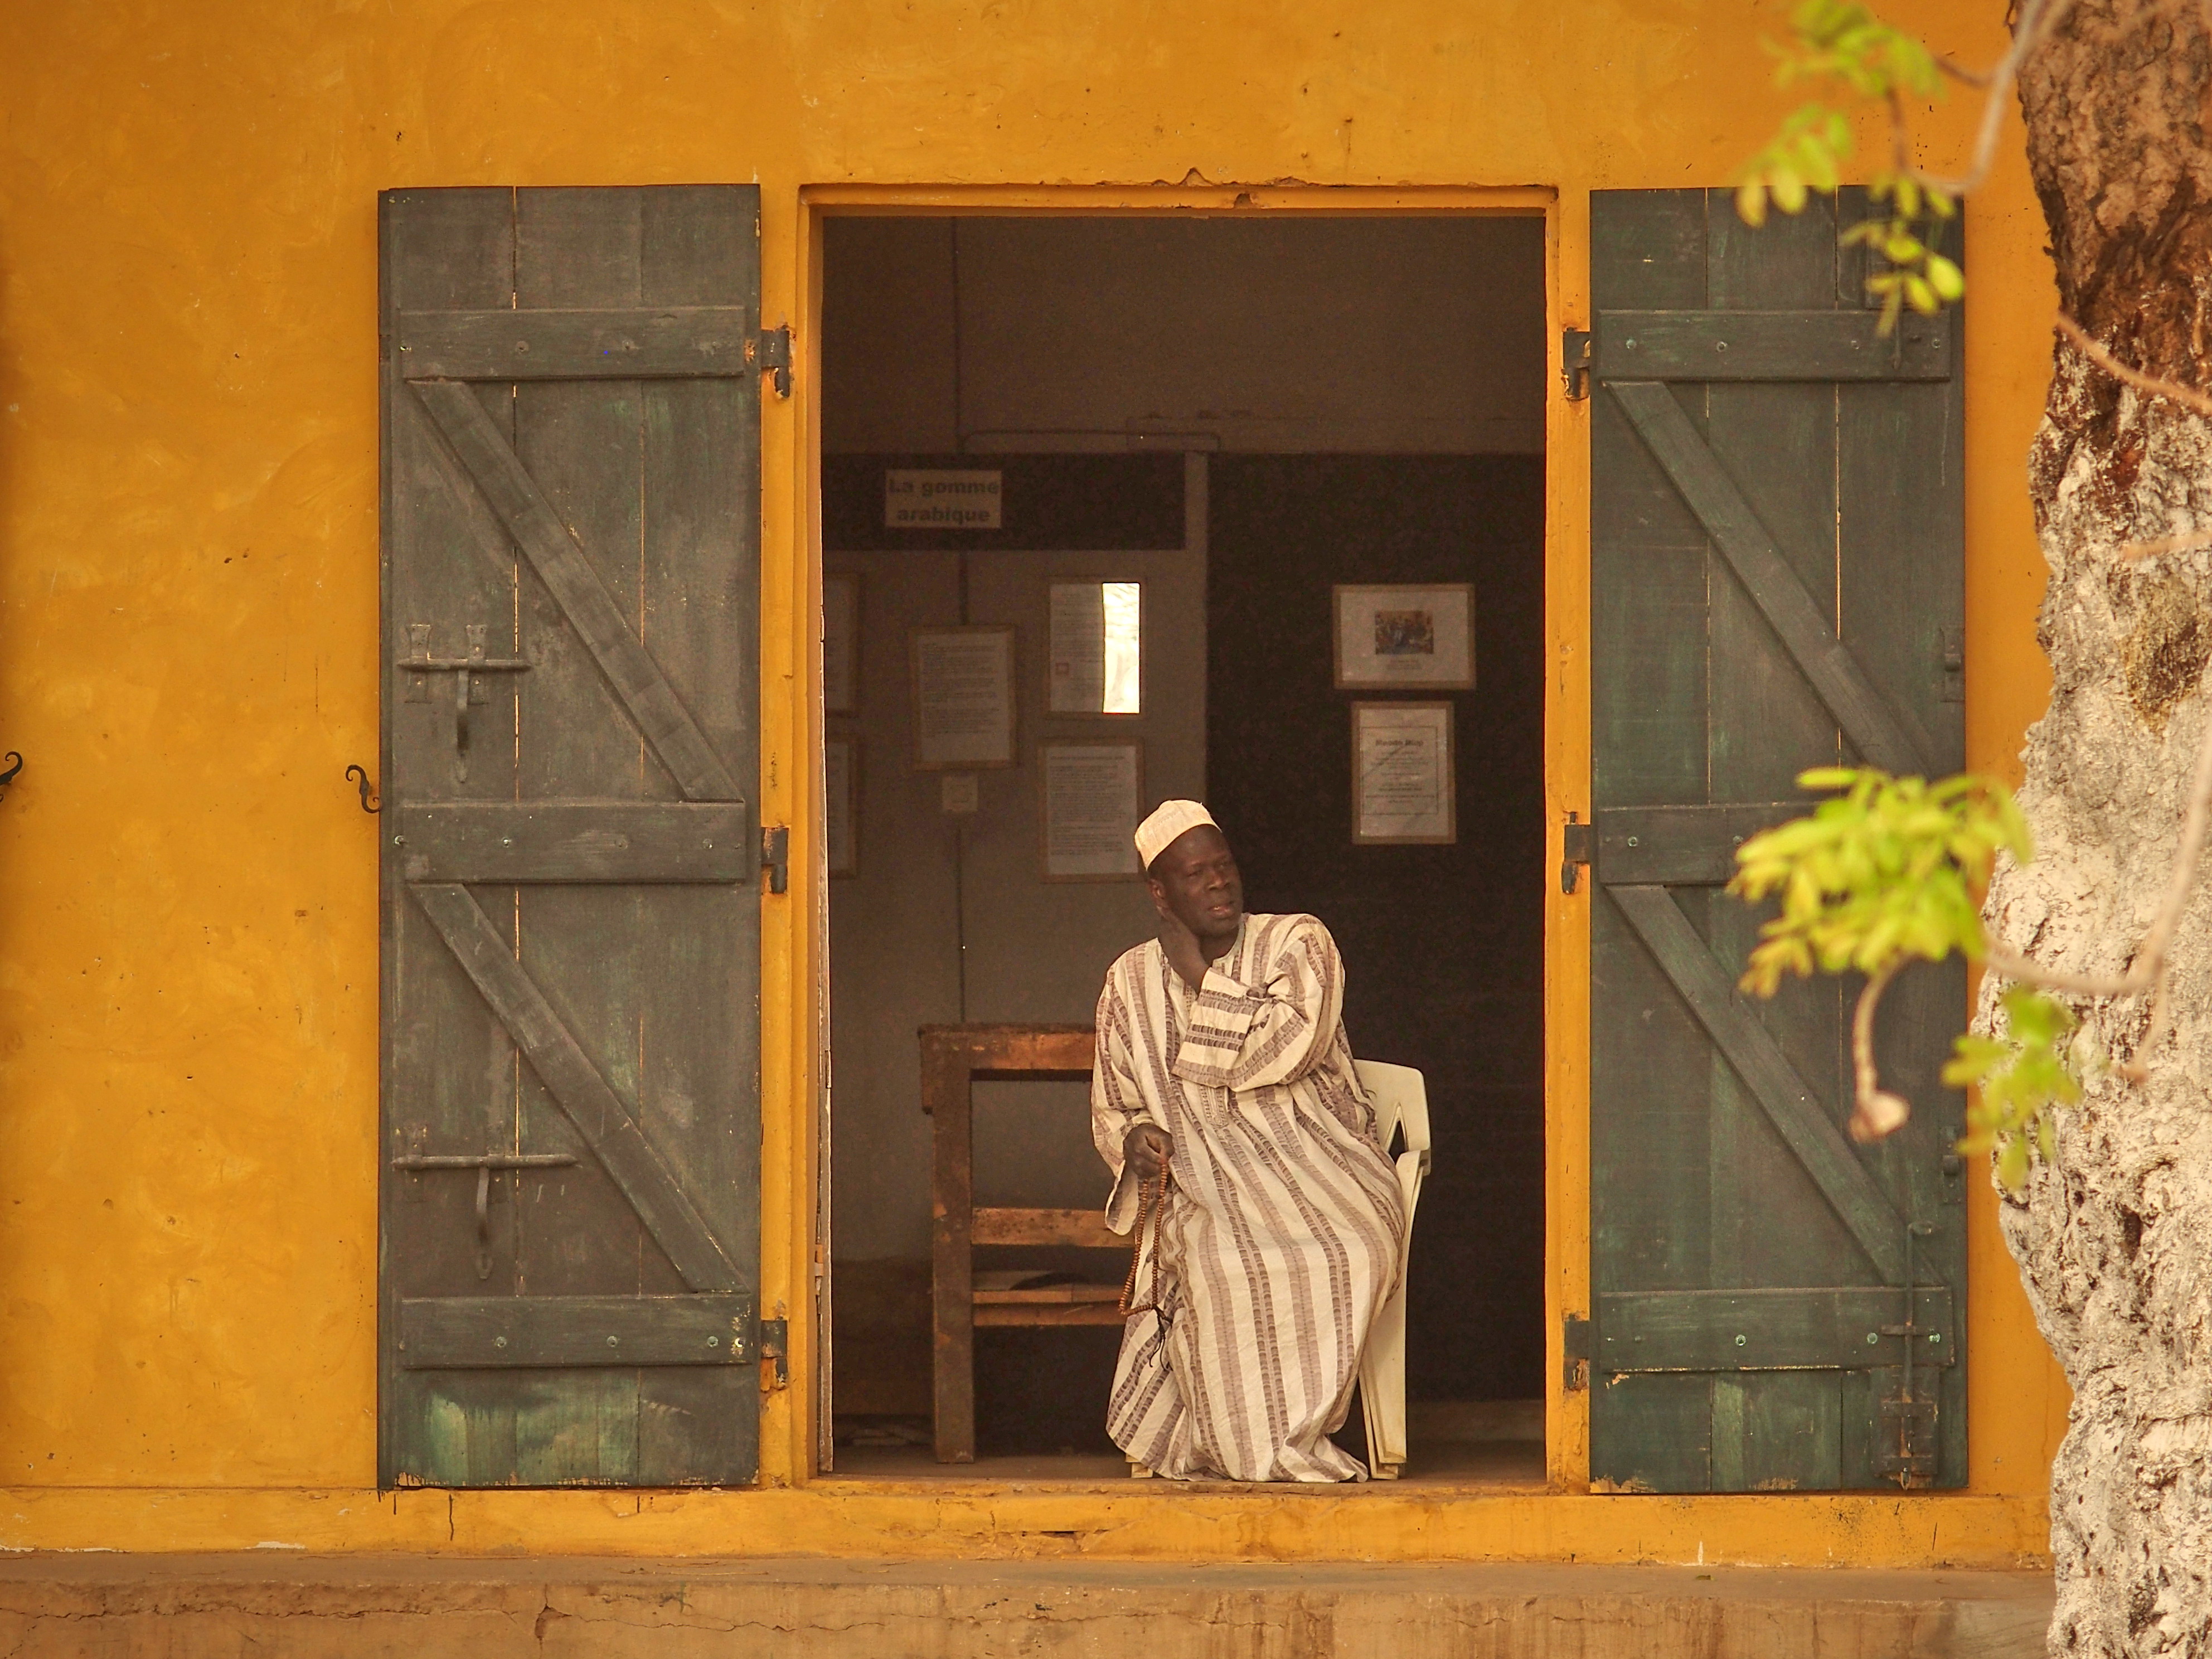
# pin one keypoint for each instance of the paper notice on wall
(1078, 647)
(1091, 800)
(963, 697)
(1402, 761)
(917, 499)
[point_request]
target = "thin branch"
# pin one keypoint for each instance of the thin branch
(1959, 71)
(2027, 972)
(1875, 1112)
(2188, 397)
(2037, 19)
(1900, 136)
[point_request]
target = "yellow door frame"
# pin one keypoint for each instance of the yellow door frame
(794, 1258)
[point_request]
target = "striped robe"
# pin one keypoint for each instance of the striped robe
(1281, 1232)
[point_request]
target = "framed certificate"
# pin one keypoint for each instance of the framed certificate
(1402, 790)
(1420, 636)
(963, 697)
(841, 790)
(841, 643)
(1091, 793)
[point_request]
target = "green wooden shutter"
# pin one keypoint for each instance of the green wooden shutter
(571, 1117)
(1777, 583)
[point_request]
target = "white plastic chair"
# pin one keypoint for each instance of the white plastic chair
(1400, 1099)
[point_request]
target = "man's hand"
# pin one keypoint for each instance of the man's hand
(1182, 952)
(1144, 1149)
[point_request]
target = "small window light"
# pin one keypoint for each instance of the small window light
(1123, 604)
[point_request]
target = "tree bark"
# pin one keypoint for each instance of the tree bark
(2114, 1239)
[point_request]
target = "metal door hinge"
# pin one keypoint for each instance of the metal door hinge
(1577, 847)
(1575, 363)
(775, 1351)
(775, 856)
(772, 351)
(1575, 1351)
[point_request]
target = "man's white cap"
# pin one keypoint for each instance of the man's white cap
(1170, 819)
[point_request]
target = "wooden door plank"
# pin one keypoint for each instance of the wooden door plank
(1822, 1326)
(1789, 1102)
(1718, 347)
(491, 1333)
(1653, 1433)
(598, 842)
(698, 596)
(568, 1074)
(1651, 1111)
(636, 679)
(1879, 734)
(1682, 846)
(448, 1071)
(611, 344)
(1767, 723)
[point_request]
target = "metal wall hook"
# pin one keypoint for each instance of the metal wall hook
(14, 765)
(370, 801)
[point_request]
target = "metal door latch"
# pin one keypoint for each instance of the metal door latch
(775, 856)
(414, 1163)
(468, 674)
(1905, 1444)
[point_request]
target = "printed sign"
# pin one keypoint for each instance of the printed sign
(917, 499)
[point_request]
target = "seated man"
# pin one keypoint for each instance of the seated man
(1221, 1053)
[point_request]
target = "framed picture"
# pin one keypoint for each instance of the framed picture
(841, 642)
(1402, 787)
(1420, 636)
(963, 697)
(841, 790)
(1091, 794)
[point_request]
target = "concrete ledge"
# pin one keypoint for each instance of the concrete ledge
(423, 1608)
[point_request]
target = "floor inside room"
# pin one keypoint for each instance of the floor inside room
(1234, 430)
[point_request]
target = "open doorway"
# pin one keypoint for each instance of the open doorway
(1227, 448)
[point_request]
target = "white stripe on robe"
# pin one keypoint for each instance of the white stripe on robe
(1281, 1232)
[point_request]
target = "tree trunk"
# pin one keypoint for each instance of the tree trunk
(2115, 1241)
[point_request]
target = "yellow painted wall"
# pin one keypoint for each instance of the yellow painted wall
(188, 657)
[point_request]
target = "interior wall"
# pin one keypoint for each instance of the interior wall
(949, 917)
(1443, 945)
(1396, 335)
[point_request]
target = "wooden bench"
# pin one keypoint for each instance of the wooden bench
(953, 1058)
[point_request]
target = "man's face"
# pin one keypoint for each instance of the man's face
(1195, 881)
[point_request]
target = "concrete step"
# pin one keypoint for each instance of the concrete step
(138, 1607)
